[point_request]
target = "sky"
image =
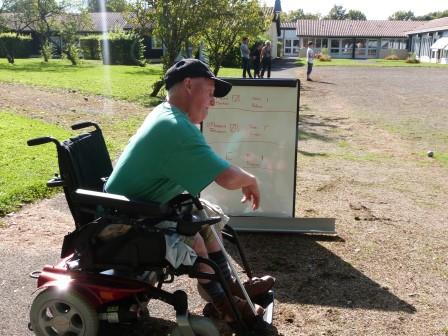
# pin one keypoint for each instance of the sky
(374, 10)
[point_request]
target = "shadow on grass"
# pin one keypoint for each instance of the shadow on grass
(308, 273)
(313, 127)
(322, 82)
(310, 154)
(45, 67)
(144, 71)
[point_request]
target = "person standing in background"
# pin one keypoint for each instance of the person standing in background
(256, 57)
(309, 60)
(245, 56)
(266, 59)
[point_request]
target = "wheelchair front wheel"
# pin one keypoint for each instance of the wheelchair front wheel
(55, 313)
(202, 326)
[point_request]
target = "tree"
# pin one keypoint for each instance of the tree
(336, 13)
(298, 14)
(41, 16)
(402, 16)
(432, 16)
(68, 29)
(356, 15)
(110, 5)
(140, 16)
(232, 20)
(175, 22)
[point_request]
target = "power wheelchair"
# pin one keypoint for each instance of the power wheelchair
(101, 282)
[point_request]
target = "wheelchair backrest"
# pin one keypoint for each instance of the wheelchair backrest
(84, 163)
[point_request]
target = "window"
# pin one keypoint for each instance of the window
(347, 47)
(295, 48)
(361, 50)
(321, 43)
(372, 44)
(334, 46)
(306, 40)
(385, 44)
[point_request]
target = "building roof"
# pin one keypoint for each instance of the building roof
(352, 28)
(112, 21)
(288, 25)
(433, 25)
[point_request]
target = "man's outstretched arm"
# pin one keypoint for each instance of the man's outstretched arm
(235, 178)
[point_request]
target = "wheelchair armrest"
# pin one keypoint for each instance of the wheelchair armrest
(190, 228)
(120, 203)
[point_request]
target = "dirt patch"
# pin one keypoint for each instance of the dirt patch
(387, 271)
(65, 107)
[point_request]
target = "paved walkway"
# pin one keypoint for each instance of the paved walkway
(286, 68)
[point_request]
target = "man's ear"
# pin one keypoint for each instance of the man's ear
(188, 84)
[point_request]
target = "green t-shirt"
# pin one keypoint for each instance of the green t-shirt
(167, 156)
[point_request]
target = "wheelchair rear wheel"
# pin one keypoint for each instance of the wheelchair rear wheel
(55, 313)
(201, 326)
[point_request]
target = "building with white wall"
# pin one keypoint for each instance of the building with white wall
(348, 38)
(429, 41)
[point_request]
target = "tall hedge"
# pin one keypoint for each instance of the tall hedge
(90, 47)
(15, 46)
(125, 48)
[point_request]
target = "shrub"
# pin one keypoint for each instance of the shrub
(47, 50)
(124, 48)
(279, 49)
(324, 58)
(412, 58)
(324, 55)
(12, 46)
(392, 57)
(232, 58)
(90, 47)
(71, 51)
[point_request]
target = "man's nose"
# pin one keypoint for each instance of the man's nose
(212, 101)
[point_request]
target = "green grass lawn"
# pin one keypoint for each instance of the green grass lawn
(132, 83)
(369, 63)
(24, 170)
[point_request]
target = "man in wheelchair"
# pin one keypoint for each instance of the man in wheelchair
(169, 156)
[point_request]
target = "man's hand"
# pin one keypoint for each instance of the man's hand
(234, 178)
(251, 193)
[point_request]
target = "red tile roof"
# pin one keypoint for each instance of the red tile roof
(288, 25)
(351, 28)
(436, 24)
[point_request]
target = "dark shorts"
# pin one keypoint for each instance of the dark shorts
(309, 69)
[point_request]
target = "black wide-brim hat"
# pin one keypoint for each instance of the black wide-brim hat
(194, 68)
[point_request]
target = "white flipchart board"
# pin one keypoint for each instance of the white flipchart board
(255, 127)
